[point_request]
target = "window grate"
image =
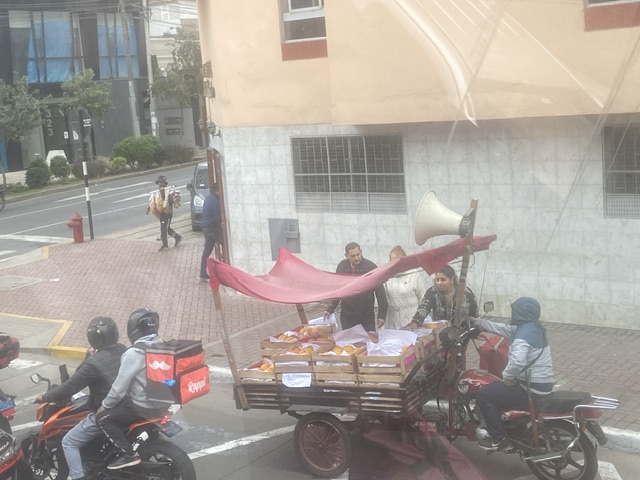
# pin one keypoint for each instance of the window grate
(349, 174)
(622, 171)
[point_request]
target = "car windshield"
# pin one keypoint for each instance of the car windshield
(202, 179)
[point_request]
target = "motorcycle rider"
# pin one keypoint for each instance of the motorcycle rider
(127, 401)
(530, 351)
(96, 372)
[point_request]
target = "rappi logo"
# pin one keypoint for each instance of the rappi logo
(195, 387)
(156, 365)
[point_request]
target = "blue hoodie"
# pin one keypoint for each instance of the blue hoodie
(529, 345)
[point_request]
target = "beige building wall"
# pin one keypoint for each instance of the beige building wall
(390, 62)
(538, 90)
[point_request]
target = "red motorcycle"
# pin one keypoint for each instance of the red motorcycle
(549, 434)
(161, 460)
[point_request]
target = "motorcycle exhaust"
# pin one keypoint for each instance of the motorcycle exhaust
(545, 457)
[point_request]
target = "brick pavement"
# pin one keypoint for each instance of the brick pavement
(114, 276)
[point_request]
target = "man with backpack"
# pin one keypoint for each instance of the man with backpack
(96, 372)
(127, 401)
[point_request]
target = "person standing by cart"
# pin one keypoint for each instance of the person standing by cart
(439, 301)
(211, 227)
(404, 292)
(161, 204)
(359, 309)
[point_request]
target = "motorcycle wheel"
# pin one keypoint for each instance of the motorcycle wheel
(581, 463)
(2, 202)
(51, 467)
(172, 462)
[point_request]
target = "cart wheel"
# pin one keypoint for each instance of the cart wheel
(323, 444)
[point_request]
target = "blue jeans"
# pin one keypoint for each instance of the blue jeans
(78, 436)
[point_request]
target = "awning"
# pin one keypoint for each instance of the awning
(293, 281)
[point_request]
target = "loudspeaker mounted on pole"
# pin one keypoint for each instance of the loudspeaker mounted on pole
(433, 219)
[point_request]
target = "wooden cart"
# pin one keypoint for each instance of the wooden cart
(329, 413)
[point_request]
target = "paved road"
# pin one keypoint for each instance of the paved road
(226, 443)
(116, 204)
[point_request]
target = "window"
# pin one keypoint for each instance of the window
(622, 171)
(113, 57)
(303, 20)
(349, 174)
(46, 46)
(608, 14)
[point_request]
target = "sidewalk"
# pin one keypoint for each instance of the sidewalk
(48, 301)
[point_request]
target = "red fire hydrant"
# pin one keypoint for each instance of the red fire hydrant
(75, 224)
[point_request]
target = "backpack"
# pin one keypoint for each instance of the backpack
(176, 372)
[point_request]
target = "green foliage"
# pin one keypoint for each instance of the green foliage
(18, 187)
(178, 154)
(182, 79)
(38, 174)
(118, 164)
(20, 109)
(60, 167)
(84, 91)
(98, 167)
(140, 152)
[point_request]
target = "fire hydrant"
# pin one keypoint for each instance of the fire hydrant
(75, 224)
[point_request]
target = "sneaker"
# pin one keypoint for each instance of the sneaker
(493, 445)
(178, 240)
(204, 277)
(163, 248)
(124, 461)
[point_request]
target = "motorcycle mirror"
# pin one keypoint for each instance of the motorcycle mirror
(488, 307)
(35, 378)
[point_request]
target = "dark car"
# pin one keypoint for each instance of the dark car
(199, 188)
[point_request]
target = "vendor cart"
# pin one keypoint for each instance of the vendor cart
(359, 398)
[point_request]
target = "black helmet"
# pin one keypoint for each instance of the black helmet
(142, 322)
(102, 332)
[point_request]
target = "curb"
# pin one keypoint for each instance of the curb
(94, 181)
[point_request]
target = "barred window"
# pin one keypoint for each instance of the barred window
(622, 171)
(349, 174)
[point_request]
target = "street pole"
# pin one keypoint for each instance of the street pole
(85, 122)
(147, 45)
(133, 104)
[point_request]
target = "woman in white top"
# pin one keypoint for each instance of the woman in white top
(404, 292)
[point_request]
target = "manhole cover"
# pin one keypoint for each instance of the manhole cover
(11, 282)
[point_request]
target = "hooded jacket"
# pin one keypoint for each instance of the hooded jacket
(132, 376)
(529, 345)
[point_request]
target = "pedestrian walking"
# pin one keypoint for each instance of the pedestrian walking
(211, 227)
(161, 204)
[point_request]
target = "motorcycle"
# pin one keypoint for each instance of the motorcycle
(10, 456)
(161, 459)
(549, 434)
(7, 411)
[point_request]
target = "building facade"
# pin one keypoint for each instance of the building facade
(339, 115)
(49, 42)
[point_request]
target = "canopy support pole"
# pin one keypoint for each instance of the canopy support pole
(302, 314)
(456, 362)
(222, 325)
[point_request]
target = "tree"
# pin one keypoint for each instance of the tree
(182, 79)
(84, 91)
(20, 110)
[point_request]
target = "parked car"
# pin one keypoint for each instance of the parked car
(199, 188)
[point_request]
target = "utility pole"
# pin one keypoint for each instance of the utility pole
(147, 44)
(133, 103)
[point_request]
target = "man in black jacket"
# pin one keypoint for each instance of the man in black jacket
(359, 309)
(96, 372)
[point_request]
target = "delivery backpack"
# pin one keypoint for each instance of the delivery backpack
(176, 372)
(9, 349)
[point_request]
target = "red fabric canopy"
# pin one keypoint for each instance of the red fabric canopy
(293, 281)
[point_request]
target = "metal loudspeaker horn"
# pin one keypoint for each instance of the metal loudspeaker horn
(433, 219)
